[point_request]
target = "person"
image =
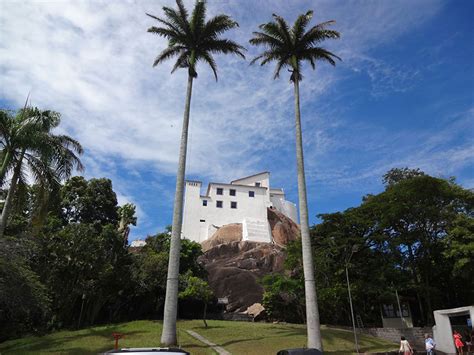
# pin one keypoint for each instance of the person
(458, 342)
(405, 347)
(469, 341)
(429, 345)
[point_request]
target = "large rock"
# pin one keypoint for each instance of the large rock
(235, 267)
(283, 228)
(225, 234)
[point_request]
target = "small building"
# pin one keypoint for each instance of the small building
(138, 243)
(242, 201)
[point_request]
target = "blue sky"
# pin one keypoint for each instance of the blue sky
(402, 96)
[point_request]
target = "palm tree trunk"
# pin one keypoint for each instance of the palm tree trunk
(4, 167)
(11, 192)
(312, 312)
(168, 335)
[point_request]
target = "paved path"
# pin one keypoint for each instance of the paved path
(220, 350)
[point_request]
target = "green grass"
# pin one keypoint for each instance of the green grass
(236, 337)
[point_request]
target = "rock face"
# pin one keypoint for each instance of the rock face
(225, 234)
(283, 228)
(235, 266)
(235, 269)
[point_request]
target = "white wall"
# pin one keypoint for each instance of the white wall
(286, 207)
(200, 222)
(194, 211)
(443, 332)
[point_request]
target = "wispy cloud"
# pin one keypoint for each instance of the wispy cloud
(92, 62)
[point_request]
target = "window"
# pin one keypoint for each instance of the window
(220, 191)
(392, 311)
(251, 193)
(219, 204)
(233, 204)
(202, 220)
(257, 184)
(232, 192)
(204, 202)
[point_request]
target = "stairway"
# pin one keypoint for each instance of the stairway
(256, 230)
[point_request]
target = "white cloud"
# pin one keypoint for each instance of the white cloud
(92, 62)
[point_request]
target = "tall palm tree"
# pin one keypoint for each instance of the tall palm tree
(29, 144)
(290, 48)
(191, 39)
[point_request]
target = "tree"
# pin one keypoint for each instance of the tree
(198, 289)
(150, 267)
(92, 201)
(24, 300)
(127, 217)
(191, 39)
(396, 175)
(28, 138)
(290, 48)
(283, 293)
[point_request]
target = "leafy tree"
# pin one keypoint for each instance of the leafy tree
(27, 138)
(24, 300)
(150, 266)
(290, 48)
(460, 246)
(191, 39)
(396, 175)
(80, 260)
(284, 293)
(415, 237)
(127, 218)
(197, 289)
(92, 201)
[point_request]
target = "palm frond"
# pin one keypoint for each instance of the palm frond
(167, 33)
(164, 22)
(317, 53)
(217, 25)
(182, 61)
(207, 57)
(272, 29)
(168, 53)
(175, 18)
(319, 33)
(261, 38)
(198, 18)
(300, 25)
(283, 28)
(191, 38)
(290, 48)
(225, 46)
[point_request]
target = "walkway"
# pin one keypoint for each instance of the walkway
(218, 349)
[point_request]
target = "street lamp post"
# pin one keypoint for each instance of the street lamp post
(354, 249)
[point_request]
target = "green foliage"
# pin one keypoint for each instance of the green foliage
(24, 301)
(460, 247)
(92, 201)
(416, 237)
(78, 260)
(396, 175)
(192, 38)
(195, 288)
(290, 48)
(284, 298)
(150, 271)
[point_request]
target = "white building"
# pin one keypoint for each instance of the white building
(242, 201)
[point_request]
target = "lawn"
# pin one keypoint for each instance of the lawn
(236, 337)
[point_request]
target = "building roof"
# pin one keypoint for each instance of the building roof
(277, 191)
(246, 177)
